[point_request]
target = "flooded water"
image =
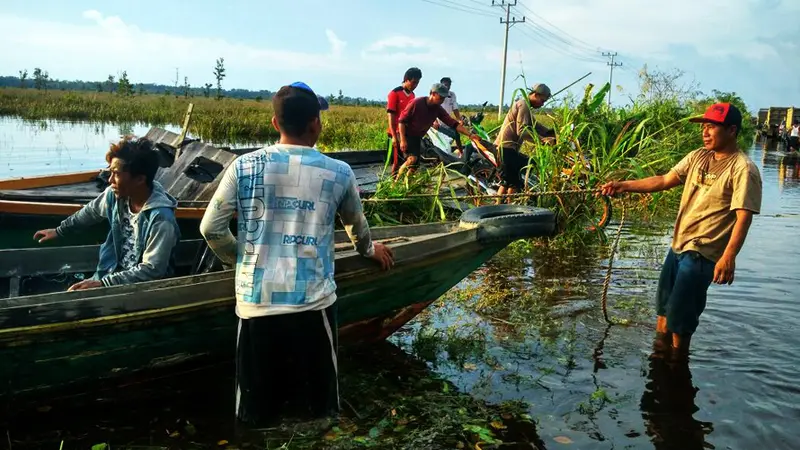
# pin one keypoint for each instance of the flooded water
(47, 147)
(528, 326)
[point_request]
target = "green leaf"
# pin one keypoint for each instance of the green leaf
(102, 446)
(374, 432)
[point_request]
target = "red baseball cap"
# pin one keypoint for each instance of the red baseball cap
(721, 114)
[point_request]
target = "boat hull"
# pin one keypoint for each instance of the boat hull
(69, 357)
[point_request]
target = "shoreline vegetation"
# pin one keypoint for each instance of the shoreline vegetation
(594, 141)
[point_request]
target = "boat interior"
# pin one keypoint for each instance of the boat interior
(46, 270)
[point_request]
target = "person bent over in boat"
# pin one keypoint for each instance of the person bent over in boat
(417, 119)
(721, 192)
(144, 231)
(519, 126)
(286, 198)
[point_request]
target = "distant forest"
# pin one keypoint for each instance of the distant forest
(40, 79)
(161, 89)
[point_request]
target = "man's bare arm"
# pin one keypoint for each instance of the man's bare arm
(391, 115)
(726, 266)
(645, 185)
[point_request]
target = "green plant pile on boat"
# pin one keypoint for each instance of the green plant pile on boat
(595, 143)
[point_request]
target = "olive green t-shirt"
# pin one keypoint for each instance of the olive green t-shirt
(712, 192)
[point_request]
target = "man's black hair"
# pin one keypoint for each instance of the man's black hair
(295, 108)
(445, 80)
(138, 158)
(412, 74)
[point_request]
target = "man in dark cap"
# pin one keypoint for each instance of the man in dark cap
(519, 126)
(417, 119)
(722, 191)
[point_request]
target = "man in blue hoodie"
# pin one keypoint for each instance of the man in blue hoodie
(286, 198)
(144, 231)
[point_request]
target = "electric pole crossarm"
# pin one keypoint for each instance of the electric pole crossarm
(611, 75)
(508, 22)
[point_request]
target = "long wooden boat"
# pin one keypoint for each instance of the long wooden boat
(52, 341)
(190, 171)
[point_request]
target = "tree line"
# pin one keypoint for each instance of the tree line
(122, 85)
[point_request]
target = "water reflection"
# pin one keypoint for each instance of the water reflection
(668, 406)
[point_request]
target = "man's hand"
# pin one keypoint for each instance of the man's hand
(45, 235)
(435, 125)
(723, 271)
(384, 256)
(612, 188)
(85, 284)
(403, 145)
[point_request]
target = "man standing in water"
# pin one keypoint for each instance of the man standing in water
(722, 191)
(286, 197)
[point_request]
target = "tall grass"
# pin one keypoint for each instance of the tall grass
(226, 120)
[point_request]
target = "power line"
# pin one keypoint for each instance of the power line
(509, 22)
(548, 42)
(455, 6)
(581, 42)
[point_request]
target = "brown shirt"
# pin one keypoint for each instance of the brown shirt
(517, 127)
(712, 192)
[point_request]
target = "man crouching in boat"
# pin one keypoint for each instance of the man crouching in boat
(141, 214)
(286, 197)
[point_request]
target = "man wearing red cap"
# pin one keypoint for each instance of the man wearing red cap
(722, 191)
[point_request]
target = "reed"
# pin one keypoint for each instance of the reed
(229, 121)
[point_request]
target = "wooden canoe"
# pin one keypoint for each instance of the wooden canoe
(190, 173)
(52, 340)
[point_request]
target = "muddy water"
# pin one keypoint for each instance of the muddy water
(528, 326)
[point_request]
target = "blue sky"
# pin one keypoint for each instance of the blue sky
(361, 47)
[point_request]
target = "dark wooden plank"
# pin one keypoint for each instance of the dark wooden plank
(121, 303)
(140, 288)
(402, 230)
(81, 258)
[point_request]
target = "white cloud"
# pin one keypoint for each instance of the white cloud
(713, 28)
(407, 50)
(107, 44)
(337, 45)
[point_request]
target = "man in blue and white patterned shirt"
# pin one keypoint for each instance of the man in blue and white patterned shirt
(286, 197)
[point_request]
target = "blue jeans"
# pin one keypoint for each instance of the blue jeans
(682, 287)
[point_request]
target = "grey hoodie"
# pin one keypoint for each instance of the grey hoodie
(157, 237)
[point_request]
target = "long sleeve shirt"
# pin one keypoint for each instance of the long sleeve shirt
(518, 127)
(286, 198)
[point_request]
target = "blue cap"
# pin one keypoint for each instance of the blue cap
(323, 104)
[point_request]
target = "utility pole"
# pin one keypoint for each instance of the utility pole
(611, 76)
(508, 23)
